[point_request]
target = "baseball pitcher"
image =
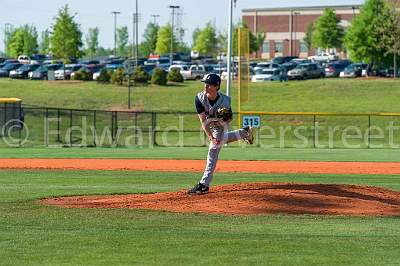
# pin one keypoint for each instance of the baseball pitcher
(215, 113)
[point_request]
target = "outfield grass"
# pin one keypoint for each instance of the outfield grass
(32, 234)
(323, 95)
(227, 153)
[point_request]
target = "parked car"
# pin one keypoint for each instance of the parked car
(283, 59)
(89, 62)
(42, 71)
(334, 69)
(59, 74)
(131, 63)
(112, 66)
(37, 59)
(5, 71)
(89, 69)
(324, 57)
(354, 71)
(266, 65)
(23, 71)
(24, 59)
(306, 71)
(157, 61)
(183, 69)
(268, 74)
(8, 61)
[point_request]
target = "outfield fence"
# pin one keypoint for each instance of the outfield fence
(57, 127)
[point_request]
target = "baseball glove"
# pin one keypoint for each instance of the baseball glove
(224, 113)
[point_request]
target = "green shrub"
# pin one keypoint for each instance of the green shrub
(175, 75)
(159, 77)
(140, 75)
(104, 76)
(81, 75)
(118, 77)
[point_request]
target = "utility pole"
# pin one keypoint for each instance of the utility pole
(115, 13)
(155, 18)
(229, 63)
(137, 34)
(133, 35)
(172, 33)
(295, 32)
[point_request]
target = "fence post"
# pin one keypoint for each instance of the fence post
(21, 127)
(136, 130)
(46, 128)
(314, 131)
(70, 128)
(94, 128)
(116, 129)
(58, 126)
(369, 131)
(154, 130)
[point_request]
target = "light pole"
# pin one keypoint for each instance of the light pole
(229, 59)
(295, 32)
(137, 34)
(172, 33)
(115, 30)
(155, 18)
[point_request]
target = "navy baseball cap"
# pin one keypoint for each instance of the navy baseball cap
(212, 79)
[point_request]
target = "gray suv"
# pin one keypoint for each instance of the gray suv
(306, 71)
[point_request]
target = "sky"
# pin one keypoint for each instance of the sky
(95, 13)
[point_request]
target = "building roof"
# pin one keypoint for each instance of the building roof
(303, 8)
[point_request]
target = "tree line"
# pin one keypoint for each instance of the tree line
(373, 36)
(65, 40)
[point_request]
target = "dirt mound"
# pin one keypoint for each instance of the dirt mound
(255, 198)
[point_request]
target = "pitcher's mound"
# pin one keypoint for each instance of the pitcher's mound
(255, 198)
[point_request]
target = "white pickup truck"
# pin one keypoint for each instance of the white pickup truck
(324, 57)
(191, 72)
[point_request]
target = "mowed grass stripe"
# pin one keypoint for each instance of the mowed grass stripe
(33, 234)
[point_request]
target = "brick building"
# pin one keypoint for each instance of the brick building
(285, 28)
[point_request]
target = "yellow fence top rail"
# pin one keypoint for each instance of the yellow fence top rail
(9, 100)
(317, 113)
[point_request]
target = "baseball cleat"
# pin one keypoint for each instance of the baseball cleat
(198, 189)
(249, 139)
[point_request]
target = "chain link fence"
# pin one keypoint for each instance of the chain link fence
(57, 127)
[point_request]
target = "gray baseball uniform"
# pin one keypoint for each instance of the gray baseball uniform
(218, 129)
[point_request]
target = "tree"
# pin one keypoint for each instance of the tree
(66, 40)
(122, 41)
(195, 34)
(389, 31)
(92, 41)
(23, 41)
(222, 42)
(44, 46)
(362, 37)
(328, 33)
(206, 41)
(164, 40)
(149, 44)
(254, 40)
(308, 36)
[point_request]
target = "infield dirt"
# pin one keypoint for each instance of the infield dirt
(239, 199)
(255, 198)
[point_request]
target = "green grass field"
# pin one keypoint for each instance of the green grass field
(227, 153)
(326, 95)
(32, 234)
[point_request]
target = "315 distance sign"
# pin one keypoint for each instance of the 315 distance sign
(253, 121)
